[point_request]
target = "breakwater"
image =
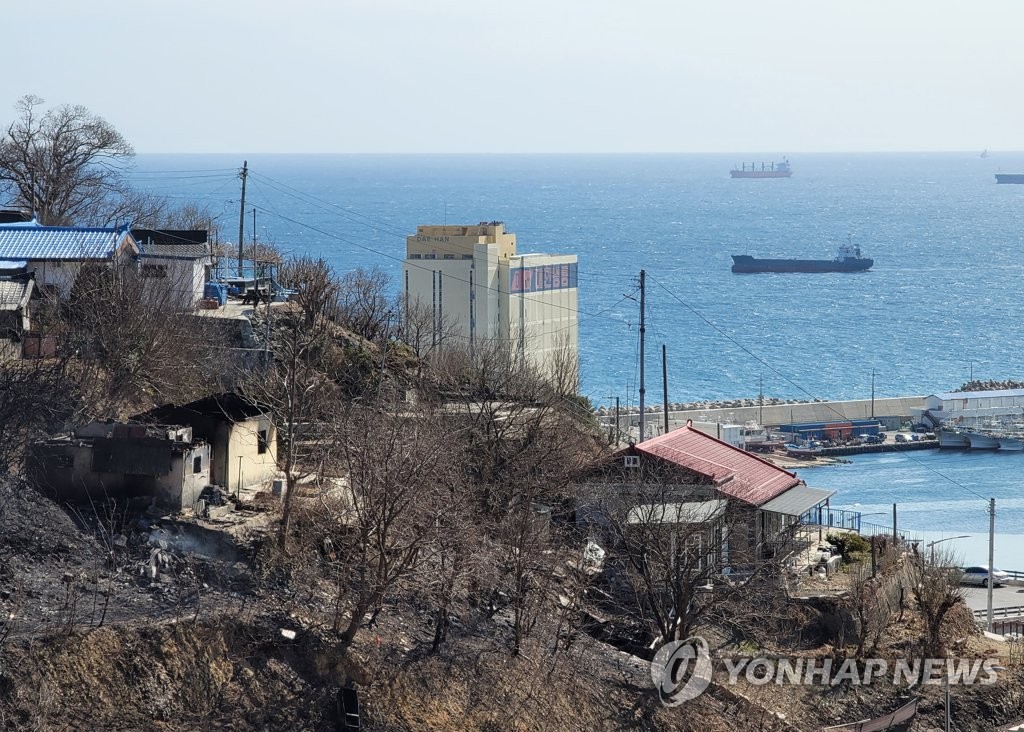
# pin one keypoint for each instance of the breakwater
(890, 411)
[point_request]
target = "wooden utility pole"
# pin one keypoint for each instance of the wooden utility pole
(664, 380)
(241, 219)
(643, 331)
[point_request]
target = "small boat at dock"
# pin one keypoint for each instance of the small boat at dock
(803, 450)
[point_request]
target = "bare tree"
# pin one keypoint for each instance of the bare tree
(425, 330)
(871, 605)
(295, 383)
(36, 398)
(525, 441)
(66, 164)
(137, 335)
(666, 550)
(364, 306)
(525, 569)
(937, 590)
(399, 476)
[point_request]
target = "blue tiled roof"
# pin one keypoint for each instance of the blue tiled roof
(59, 242)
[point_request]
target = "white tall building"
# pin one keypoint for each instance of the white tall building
(478, 289)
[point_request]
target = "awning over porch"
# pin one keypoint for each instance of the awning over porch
(797, 500)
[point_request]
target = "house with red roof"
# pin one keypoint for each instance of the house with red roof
(688, 477)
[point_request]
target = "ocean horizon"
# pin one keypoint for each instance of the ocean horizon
(938, 306)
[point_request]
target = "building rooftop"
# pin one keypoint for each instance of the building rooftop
(951, 395)
(34, 242)
(736, 473)
(14, 293)
(226, 407)
(176, 251)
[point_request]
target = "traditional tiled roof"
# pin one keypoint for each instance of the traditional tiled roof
(734, 472)
(14, 294)
(61, 242)
(176, 251)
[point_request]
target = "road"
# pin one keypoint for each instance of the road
(1005, 596)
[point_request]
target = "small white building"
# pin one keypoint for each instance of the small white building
(973, 406)
(176, 260)
(478, 289)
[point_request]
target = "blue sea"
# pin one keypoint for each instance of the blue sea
(941, 302)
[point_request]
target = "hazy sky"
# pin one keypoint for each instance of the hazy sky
(529, 75)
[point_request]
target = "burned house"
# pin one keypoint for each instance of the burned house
(241, 435)
(124, 461)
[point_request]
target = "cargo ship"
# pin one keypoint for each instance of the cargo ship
(849, 259)
(762, 170)
(1009, 177)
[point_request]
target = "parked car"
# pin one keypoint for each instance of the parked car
(902, 437)
(872, 439)
(980, 576)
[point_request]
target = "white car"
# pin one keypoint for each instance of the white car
(980, 576)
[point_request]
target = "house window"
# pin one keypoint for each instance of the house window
(64, 461)
(154, 271)
(261, 441)
(197, 464)
(631, 461)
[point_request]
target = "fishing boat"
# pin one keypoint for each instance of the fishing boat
(803, 450)
(982, 440)
(849, 259)
(953, 438)
(763, 170)
(1011, 443)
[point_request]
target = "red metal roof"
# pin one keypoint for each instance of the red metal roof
(735, 472)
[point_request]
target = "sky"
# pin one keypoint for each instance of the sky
(521, 76)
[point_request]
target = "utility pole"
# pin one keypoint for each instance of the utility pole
(241, 218)
(617, 436)
(872, 393)
(760, 400)
(255, 267)
(643, 331)
(664, 380)
(991, 554)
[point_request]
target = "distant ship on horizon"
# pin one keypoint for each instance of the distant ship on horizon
(762, 170)
(849, 259)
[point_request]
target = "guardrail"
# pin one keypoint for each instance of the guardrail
(1002, 613)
